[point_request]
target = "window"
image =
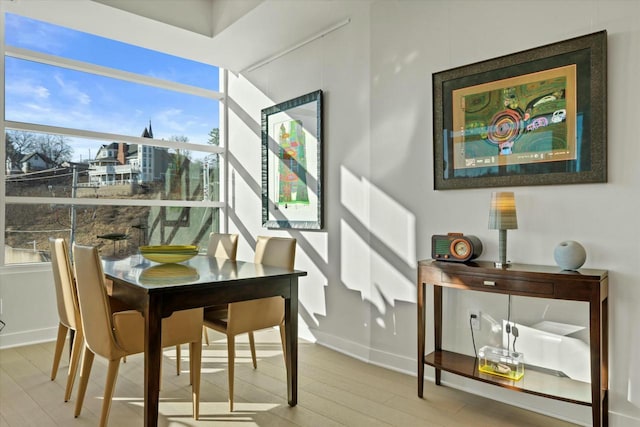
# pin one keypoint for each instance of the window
(105, 144)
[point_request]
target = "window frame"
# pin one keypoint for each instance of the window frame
(39, 57)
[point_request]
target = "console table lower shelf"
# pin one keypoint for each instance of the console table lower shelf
(536, 281)
(533, 382)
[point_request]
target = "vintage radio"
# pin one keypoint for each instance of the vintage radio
(455, 247)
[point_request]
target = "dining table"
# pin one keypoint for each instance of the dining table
(157, 290)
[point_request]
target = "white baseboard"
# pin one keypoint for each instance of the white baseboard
(620, 420)
(361, 352)
(35, 336)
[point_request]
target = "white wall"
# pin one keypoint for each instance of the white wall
(28, 305)
(381, 210)
(333, 305)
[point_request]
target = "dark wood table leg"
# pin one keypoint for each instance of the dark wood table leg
(595, 328)
(421, 337)
(291, 344)
(605, 361)
(437, 324)
(152, 360)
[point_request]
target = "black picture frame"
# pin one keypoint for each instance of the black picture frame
(536, 117)
(292, 147)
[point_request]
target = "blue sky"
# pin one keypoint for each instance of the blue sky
(42, 94)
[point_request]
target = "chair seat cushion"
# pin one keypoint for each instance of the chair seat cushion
(216, 317)
(179, 328)
(216, 312)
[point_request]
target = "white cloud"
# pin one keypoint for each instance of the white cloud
(171, 119)
(26, 88)
(169, 114)
(37, 35)
(37, 108)
(70, 90)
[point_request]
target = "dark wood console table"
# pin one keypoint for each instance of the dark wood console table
(524, 280)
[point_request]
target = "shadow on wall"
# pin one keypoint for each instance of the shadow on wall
(372, 283)
(389, 328)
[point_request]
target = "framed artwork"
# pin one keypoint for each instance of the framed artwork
(292, 163)
(535, 117)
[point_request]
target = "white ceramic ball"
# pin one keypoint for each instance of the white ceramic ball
(570, 255)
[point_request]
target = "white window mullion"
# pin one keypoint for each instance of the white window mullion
(82, 133)
(87, 201)
(44, 58)
(223, 133)
(3, 142)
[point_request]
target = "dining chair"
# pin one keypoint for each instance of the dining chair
(68, 311)
(253, 315)
(225, 246)
(221, 245)
(116, 335)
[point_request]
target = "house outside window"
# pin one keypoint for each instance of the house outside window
(82, 160)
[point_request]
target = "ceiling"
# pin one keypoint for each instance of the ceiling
(236, 34)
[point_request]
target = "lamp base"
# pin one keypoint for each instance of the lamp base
(502, 249)
(501, 264)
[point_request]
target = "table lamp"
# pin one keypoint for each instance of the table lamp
(502, 217)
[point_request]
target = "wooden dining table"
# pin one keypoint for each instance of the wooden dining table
(157, 290)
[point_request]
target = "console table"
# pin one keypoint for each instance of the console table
(525, 280)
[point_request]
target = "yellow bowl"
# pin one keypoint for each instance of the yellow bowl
(168, 248)
(168, 274)
(169, 253)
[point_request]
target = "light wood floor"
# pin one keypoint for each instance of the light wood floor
(334, 390)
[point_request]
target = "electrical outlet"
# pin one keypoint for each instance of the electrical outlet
(474, 315)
